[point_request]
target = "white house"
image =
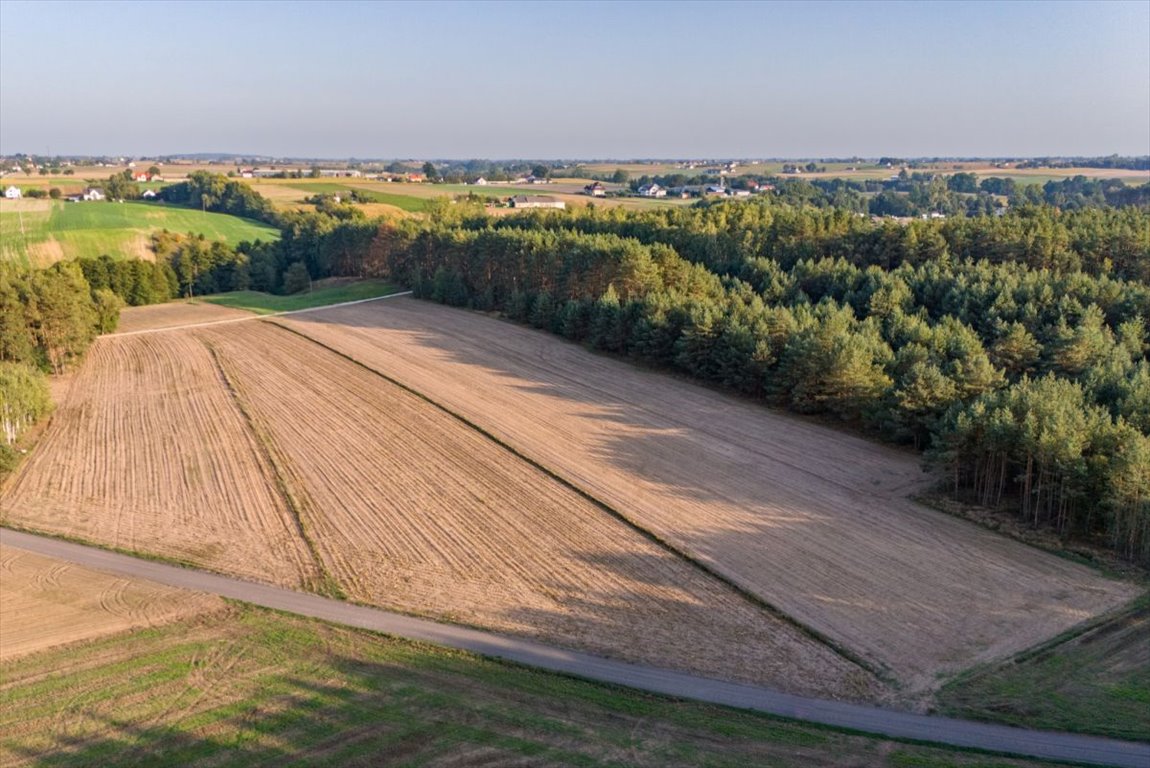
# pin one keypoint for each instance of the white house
(93, 194)
(652, 190)
(148, 194)
(481, 182)
(13, 193)
(537, 201)
(595, 189)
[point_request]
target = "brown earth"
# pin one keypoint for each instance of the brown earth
(150, 453)
(172, 314)
(202, 444)
(411, 509)
(49, 602)
(814, 521)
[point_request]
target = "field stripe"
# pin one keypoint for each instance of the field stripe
(255, 316)
(874, 668)
(327, 584)
(856, 717)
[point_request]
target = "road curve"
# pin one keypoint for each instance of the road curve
(900, 725)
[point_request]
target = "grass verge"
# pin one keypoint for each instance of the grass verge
(1096, 682)
(267, 303)
(251, 687)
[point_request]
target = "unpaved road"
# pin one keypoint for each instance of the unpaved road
(960, 733)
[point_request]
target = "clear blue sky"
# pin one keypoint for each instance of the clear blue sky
(576, 80)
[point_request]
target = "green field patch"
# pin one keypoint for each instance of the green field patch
(250, 687)
(91, 229)
(1097, 682)
(321, 295)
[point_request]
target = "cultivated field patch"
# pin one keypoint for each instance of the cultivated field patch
(251, 450)
(173, 314)
(411, 509)
(814, 521)
(150, 453)
(66, 230)
(48, 602)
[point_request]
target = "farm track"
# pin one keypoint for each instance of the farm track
(410, 509)
(811, 520)
(900, 725)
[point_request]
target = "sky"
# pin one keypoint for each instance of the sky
(575, 80)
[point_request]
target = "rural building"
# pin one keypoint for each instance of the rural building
(481, 182)
(595, 190)
(537, 201)
(93, 194)
(13, 193)
(419, 177)
(148, 194)
(652, 190)
(347, 172)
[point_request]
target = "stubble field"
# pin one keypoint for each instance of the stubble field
(149, 453)
(251, 450)
(48, 602)
(815, 522)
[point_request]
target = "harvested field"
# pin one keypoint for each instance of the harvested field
(150, 453)
(48, 602)
(814, 521)
(409, 508)
(172, 314)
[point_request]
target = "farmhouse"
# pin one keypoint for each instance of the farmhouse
(480, 182)
(93, 194)
(652, 190)
(148, 194)
(537, 201)
(13, 193)
(595, 190)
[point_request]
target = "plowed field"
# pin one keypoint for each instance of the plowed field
(134, 319)
(814, 521)
(409, 508)
(150, 453)
(206, 444)
(48, 602)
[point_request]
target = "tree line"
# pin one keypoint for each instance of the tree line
(930, 334)
(1011, 349)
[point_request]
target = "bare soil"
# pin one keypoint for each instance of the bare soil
(814, 521)
(173, 314)
(48, 602)
(411, 509)
(151, 453)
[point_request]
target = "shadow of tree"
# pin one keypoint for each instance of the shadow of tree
(293, 692)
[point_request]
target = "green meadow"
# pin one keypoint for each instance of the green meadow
(64, 230)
